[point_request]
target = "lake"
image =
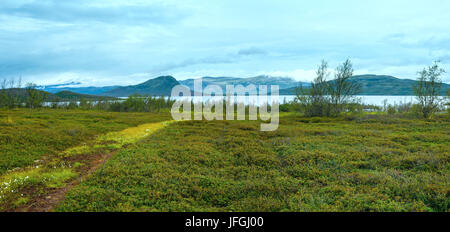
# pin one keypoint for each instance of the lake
(369, 100)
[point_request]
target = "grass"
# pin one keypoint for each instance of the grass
(39, 155)
(27, 136)
(368, 163)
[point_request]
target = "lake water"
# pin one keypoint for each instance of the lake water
(369, 100)
(378, 100)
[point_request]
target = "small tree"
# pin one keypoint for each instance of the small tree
(428, 88)
(314, 100)
(35, 98)
(447, 104)
(11, 95)
(84, 104)
(343, 89)
(3, 93)
(11, 92)
(329, 98)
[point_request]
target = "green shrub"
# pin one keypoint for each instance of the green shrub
(391, 110)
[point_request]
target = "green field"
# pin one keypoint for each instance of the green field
(27, 135)
(364, 163)
(41, 150)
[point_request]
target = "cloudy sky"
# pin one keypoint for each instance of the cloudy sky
(105, 42)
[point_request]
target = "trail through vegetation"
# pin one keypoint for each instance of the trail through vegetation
(116, 140)
(39, 186)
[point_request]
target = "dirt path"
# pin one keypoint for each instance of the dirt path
(47, 202)
(51, 197)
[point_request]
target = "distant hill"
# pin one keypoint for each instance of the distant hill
(283, 82)
(71, 96)
(146, 88)
(371, 85)
(58, 97)
(380, 85)
(82, 90)
(159, 86)
(73, 87)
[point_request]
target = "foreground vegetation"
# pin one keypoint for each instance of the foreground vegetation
(27, 135)
(366, 163)
(43, 150)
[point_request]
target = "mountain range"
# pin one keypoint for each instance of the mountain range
(283, 82)
(71, 87)
(382, 85)
(371, 85)
(160, 86)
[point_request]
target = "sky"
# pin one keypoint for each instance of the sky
(120, 42)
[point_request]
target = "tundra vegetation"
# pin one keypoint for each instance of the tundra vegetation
(330, 153)
(373, 163)
(44, 149)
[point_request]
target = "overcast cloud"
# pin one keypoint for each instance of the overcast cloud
(105, 42)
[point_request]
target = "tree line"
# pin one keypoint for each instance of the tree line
(134, 103)
(333, 97)
(12, 94)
